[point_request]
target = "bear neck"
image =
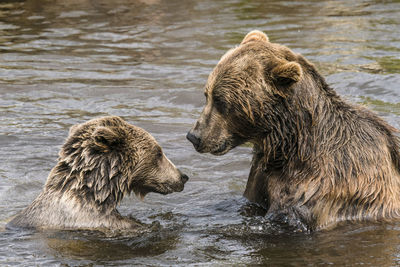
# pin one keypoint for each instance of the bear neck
(87, 185)
(318, 124)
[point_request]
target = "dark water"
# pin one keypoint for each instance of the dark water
(65, 62)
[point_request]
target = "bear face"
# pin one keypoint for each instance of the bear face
(101, 161)
(242, 92)
(109, 149)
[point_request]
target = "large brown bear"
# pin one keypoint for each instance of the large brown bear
(101, 161)
(316, 157)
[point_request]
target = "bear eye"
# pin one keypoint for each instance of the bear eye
(220, 105)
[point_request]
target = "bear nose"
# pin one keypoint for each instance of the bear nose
(184, 178)
(193, 138)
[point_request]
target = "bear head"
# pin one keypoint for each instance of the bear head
(244, 94)
(106, 158)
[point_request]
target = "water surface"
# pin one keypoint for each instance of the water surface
(65, 62)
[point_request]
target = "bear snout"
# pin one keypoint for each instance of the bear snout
(194, 139)
(178, 187)
(184, 178)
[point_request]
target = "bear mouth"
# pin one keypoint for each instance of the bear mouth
(225, 147)
(221, 149)
(165, 189)
(162, 189)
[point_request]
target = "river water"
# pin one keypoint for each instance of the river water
(65, 62)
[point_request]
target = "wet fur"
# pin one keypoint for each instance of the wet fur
(316, 157)
(101, 161)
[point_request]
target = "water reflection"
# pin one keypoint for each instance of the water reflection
(65, 62)
(96, 247)
(335, 247)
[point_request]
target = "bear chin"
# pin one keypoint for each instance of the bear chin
(163, 189)
(221, 150)
(224, 147)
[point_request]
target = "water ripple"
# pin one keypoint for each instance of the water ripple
(64, 62)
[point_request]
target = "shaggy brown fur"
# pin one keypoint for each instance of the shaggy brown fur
(101, 161)
(316, 157)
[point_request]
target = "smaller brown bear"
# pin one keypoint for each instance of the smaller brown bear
(101, 161)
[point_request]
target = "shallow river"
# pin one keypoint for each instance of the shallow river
(65, 62)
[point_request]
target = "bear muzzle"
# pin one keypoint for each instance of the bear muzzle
(194, 138)
(184, 178)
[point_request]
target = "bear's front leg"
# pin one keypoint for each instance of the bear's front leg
(256, 188)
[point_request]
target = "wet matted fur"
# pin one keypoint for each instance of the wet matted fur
(101, 161)
(316, 158)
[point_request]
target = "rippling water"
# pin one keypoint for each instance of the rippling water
(64, 62)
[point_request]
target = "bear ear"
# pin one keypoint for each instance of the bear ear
(106, 138)
(287, 74)
(255, 35)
